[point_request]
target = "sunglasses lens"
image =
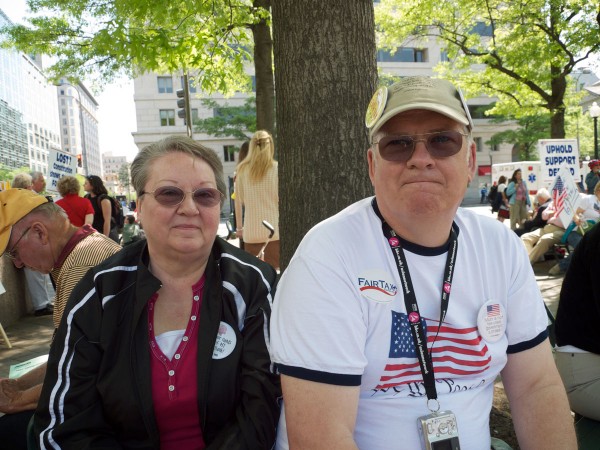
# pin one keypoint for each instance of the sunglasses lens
(446, 143)
(207, 197)
(396, 148)
(169, 195)
(439, 145)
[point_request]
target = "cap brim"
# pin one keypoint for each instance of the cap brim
(448, 112)
(4, 238)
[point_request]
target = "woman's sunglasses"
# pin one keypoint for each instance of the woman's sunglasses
(173, 196)
(440, 144)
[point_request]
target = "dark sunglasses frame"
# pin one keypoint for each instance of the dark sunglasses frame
(12, 253)
(439, 144)
(213, 198)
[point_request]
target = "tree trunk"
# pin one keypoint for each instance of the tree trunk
(326, 73)
(558, 86)
(263, 71)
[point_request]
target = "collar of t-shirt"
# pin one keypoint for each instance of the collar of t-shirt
(77, 237)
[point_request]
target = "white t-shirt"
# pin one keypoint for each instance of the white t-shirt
(339, 316)
(590, 206)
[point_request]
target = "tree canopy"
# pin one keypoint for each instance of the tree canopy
(102, 39)
(236, 121)
(522, 53)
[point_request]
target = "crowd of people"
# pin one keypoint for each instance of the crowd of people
(397, 311)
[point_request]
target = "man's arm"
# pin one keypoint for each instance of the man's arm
(106, 213)
(319, 415)
(538, 401)
(89, 219)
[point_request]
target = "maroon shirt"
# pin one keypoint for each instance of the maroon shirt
(175, 383)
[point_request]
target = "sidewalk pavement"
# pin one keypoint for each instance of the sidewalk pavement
(31, 336)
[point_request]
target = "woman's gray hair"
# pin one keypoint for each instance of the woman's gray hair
(144, 159)
(22, 180)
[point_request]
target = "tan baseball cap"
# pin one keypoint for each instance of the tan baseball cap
(433, 94)
(14, 205)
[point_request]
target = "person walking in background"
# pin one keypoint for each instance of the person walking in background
(591, 179)
(501, 204)
(518, 200)
(243, 153)
(98, 196)
(79, 209)
(484, 192)
(257, 195)
(39, 285)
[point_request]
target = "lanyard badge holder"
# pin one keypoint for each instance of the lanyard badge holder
(438, 430)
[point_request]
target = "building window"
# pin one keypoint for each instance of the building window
(228, 153)
(403, 54)
(167, 117)
(194, 115)
(191, 84)
(165, 85)
(479, 144)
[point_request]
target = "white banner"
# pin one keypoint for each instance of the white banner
(59, 165)
(554, 153)
(565, 195)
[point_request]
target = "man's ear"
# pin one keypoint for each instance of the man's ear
(371, 159)
(41, 231)
(472, 161)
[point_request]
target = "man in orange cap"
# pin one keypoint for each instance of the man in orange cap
(37, 234)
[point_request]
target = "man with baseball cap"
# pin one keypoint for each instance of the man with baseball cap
(37, 234)
(39, 284)
(395, 316)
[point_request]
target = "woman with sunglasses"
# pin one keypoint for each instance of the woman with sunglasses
(165, 345)
(256, 192)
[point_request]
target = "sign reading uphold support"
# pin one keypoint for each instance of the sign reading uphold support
(554, 153)
(565, 195)
(59, 165)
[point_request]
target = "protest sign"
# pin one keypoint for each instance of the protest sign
(59, 165)
(554, 153)
(565, 195)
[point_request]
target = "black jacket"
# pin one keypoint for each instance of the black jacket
(97, 392)
(578, 313)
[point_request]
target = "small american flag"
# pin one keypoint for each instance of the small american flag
(493, 310)
(559, 194)
(457, 352)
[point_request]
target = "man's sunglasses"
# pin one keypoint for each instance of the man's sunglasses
(440, 144)
(12, 253)
(173, 196)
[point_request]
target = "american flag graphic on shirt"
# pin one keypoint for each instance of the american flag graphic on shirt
(457, 352)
